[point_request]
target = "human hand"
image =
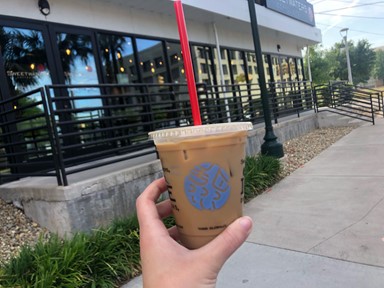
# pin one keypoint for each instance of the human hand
(165, 262)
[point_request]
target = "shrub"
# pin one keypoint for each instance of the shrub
(260, 172)
(102, 258)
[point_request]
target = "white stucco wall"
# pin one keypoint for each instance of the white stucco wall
(231, 21)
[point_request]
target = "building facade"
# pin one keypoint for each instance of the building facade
(124, 42)
(116, 41)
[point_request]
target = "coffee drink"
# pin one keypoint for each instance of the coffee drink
(204, 173)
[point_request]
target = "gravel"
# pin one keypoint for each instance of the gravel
(299, 151)
(17, 230)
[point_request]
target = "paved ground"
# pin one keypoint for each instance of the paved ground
(322, 226)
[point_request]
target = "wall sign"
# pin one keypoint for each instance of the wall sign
(297, 9)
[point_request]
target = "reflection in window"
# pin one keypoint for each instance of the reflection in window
(277, 73)
(292, 68)
(79, 67)
(252, 68)
(118, 62)
(266, 69)
(201, 57)
(224, 66)
(237, 66)
(25, 59)
(176, 62)
(151, 61)
(77, 58)
(285, 69)
(26, 68)
(300, 69)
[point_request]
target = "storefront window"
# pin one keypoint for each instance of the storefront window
(26, 68)
(117, 59)
(253, 76)
(203, 64)
(78, 63)
(25, 59)
(292, 68)
(176, 63)
(151, 61)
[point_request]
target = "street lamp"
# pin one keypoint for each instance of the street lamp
(347, 53)
(270, 146)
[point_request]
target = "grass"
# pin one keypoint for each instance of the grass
(110, 256)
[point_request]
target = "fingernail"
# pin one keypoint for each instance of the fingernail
(246, 222)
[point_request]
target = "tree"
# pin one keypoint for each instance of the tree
(379, 65)
(320, 65)
(331, 64)
(362, 61)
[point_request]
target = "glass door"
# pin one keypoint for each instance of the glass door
(83, 110)
(26, 64)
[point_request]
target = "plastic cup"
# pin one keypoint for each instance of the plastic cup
(203, 167)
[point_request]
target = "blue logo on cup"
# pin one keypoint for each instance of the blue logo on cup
(207, 187)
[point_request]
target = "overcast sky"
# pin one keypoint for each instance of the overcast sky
(364, 18)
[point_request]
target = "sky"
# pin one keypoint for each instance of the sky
(363, 18)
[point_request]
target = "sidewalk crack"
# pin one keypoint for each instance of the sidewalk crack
(349, 226)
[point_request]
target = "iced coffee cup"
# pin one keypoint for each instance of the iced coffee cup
(203, 167)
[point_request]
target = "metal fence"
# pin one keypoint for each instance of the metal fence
(349, 100)
(59, 130)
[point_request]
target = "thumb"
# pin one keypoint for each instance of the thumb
(223, 246)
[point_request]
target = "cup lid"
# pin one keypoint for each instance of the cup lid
(197, 131)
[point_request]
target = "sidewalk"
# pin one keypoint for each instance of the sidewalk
(323, 226)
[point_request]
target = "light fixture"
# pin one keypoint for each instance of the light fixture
(44, 7)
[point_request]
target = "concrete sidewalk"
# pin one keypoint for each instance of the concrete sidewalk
(323, 226)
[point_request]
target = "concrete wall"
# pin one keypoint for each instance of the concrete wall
(97, 201)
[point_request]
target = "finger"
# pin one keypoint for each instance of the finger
(145, 203)
(164, 208)
(223, 246)
(174, 233)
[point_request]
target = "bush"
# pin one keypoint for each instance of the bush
(260, 173)
(100, 259)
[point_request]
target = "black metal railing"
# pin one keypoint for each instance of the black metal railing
(348, 100)
(65, 129)
(26, 142)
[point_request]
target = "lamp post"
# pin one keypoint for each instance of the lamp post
(350, 80)
(270, 147)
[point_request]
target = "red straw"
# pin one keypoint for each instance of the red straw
(187, 62)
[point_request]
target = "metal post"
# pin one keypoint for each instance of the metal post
(270, 146)
(350, 80)
(222, 82)
(309, 64)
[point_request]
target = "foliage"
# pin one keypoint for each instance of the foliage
(331, 64)
(362, 61)
(379, 65)
(260, 172)
(320, 65)
(100, 259)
